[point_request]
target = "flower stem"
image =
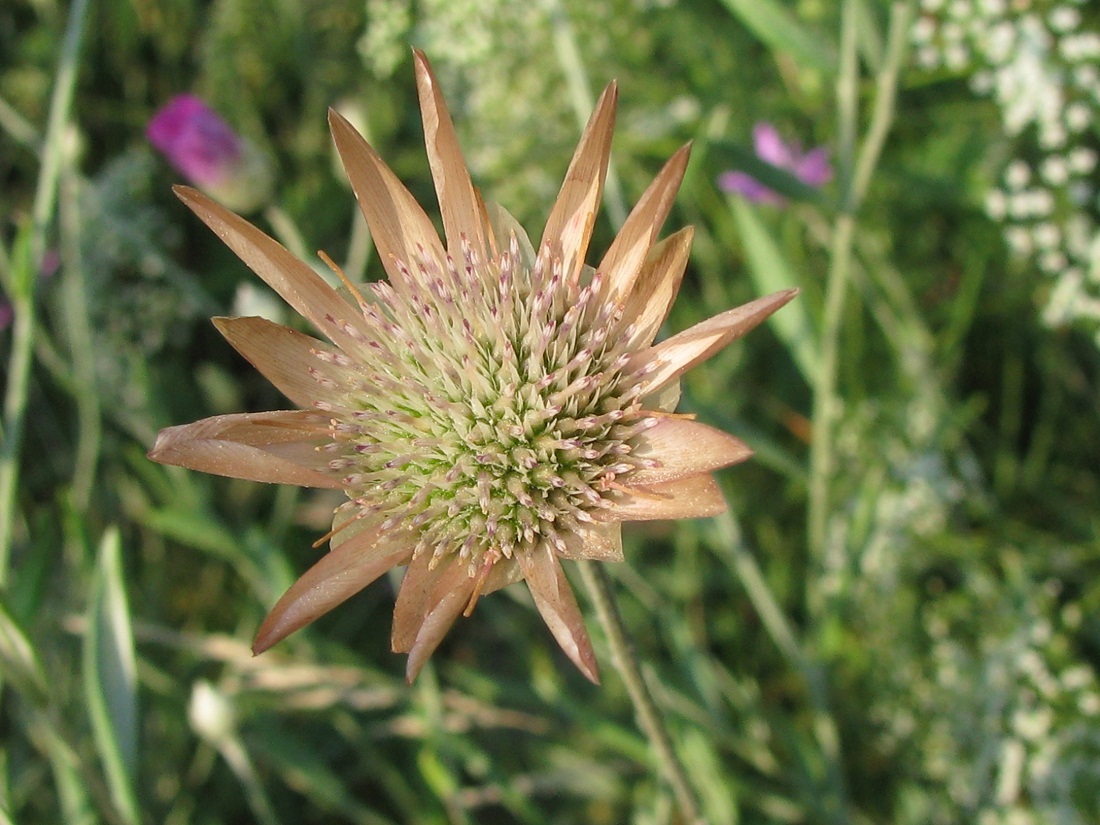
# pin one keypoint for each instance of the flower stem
(855, 166)
(649, 716)
(25, 275)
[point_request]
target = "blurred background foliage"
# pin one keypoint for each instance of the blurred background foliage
(933, 661)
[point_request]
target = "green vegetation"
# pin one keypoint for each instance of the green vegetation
(897, 622)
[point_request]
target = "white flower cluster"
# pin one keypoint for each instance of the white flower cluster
(1041, 64)
(482, 52)
(994, 707)
(1027, 724)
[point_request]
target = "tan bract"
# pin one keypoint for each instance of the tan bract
(492, 409)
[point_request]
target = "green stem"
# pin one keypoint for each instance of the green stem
(78, 324)
(825, 401)
(834, 805)
(25, 276)
(855, 170)
(623, 655)
(882, 115)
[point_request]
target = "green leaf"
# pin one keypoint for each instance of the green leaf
(110, 678)
(771, 273)
(72, 788)
(193, 530)
(304, 770)
(779, 30)
(5, 791)
(19, 664)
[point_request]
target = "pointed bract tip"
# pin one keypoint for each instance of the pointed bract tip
(591, 672)
(338, 121)
(191, 197)
(422, 65)
(270, 634)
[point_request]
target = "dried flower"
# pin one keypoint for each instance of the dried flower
(206, 151)
(812, 167)
(489, 411)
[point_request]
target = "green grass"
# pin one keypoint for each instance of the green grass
(896, 623)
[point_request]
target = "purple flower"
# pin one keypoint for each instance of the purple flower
(812, 167)
(195, 140)
(209, 154)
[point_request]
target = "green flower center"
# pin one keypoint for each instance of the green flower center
(489, 409)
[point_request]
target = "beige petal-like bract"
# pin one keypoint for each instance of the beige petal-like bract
(459, 203)
(296, 283)
(558, 607)
(413, 598)
(696, 496)
(676, 355)
(288, 359)
(651, 296)
(684, 448)
(275, 447)
(444, 604)
(341, 573)
(569, 226)
(596, 541)
(624, 257)
(398, 225)
(504, 227)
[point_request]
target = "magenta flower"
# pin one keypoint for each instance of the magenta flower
(812, 167)
(209, 154)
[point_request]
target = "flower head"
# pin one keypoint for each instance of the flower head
(491, 410)
(206, 151)
(812, 167)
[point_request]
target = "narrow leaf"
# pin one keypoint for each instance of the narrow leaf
(771, 272)
(110, 678)
(18, 663)
(780, 30)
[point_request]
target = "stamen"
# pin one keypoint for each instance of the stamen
(336, 530)
(347, 281)
(491, 558)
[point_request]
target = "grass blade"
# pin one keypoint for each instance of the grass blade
(778, 29)
(771, 272)
(110, 678)
(18, 663)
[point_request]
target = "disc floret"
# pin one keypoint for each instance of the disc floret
(492, 410)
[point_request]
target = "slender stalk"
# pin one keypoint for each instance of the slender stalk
(882, 115)
(732, 549)
(78, 324)
(25, 275)
(825, 401)
(650, 720)
(287, 232)
(855, 168)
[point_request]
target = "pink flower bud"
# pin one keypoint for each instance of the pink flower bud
(209, 154)
(812, 167)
